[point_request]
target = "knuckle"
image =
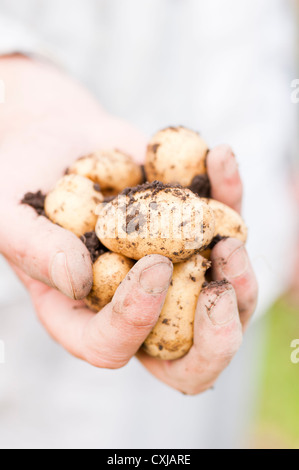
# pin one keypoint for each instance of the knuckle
(133, 315)
(100, 361)
(247, 303)
(142, 322)
(21, 252)
(233, 344)
(231, 341)
(252, 293)
(100, 356)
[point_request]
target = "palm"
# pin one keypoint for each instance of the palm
(44, 136)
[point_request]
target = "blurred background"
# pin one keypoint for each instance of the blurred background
(223, 67)
(275, 423)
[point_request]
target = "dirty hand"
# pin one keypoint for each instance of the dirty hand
(46, 122)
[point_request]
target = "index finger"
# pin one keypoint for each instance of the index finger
(217, 337)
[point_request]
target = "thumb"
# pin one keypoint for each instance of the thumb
(110, 338)
(114, 335)
(47, 252)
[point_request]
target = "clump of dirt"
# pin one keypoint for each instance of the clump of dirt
(201, 186)
(94, 246)
(36, 201)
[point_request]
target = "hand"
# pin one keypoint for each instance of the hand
(46, 123)
(223, 311)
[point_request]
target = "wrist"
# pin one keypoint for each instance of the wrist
(35, 90)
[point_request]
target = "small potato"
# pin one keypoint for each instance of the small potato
(228, 223)
(172, 336)
(109, 271)
(176, 155)
(112, 170)
(156, 219)
(72, 204)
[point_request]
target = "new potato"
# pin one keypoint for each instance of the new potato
(160, 217)
(109, 270)
(228, 223)
(112, 170)
(72, 204)
(176, 155)
(156, 219)
(172, 336)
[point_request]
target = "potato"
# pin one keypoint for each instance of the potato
(176, 155)
(172, 336)
(113, 170)
(156, 219)
(228, 223)
(72, 204)
(109, 271)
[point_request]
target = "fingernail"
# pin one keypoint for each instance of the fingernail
(60, 275)
(156, 279)
(236, 265)
(230, 165)
(222, 314)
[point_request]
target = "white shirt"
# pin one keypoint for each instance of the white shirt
(221, 67)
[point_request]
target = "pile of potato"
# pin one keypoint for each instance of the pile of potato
(128, 211)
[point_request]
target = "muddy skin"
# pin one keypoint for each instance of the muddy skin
(218, 288)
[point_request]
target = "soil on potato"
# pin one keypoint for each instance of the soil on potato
(155, 187)
(216, 240)
(201, 186)
(144, 177)
(36, 201)
(94, 246)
